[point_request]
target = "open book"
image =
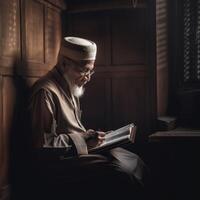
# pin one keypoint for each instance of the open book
(116, 138)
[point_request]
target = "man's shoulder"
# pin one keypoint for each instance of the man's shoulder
(44, 83)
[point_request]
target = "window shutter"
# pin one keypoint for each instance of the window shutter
(191, 41)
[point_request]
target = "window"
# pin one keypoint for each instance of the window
(185, 62)
(191, 42)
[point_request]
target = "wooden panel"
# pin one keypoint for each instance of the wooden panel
(129, 102)
(9, 30)
(7, 111)
(91, 5)
(32, 70)
(34, 28)
(162, 91)
(94, 104)
(57, 3)
(93, 26)
(2, 159)
(12, 104)
(30, 27)
(52, 35)
(129, 37)
(31, 80)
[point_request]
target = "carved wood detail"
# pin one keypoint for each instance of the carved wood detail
(9, 31)
(34, 30)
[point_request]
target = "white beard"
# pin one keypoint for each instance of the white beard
(75, 89)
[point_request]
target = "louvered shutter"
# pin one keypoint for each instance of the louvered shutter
(191, 41)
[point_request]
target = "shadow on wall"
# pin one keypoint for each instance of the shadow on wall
(189, 109)
(19, 130)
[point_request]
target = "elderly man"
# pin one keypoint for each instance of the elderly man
(56, 124)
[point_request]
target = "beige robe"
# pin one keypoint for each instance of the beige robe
(56, 123)
(56, 114)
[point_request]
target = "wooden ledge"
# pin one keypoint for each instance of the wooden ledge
(176, 135)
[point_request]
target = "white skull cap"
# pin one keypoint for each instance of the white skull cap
(77, 48)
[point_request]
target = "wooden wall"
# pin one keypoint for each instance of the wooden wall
(123, 88)
(29, 40)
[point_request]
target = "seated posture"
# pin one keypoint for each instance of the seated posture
(56, 123)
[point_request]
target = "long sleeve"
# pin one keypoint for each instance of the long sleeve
(44, 125)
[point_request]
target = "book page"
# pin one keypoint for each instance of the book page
(126, 130)
(117, 137)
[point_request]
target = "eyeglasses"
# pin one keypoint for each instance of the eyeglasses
(87, 73)
(80, 69)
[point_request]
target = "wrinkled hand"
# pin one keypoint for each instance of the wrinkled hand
(94, 138)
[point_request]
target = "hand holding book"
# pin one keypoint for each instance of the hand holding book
(94, 138)
(116, 138)
(99, 141)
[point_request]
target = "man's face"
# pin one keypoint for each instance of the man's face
(80, 72)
